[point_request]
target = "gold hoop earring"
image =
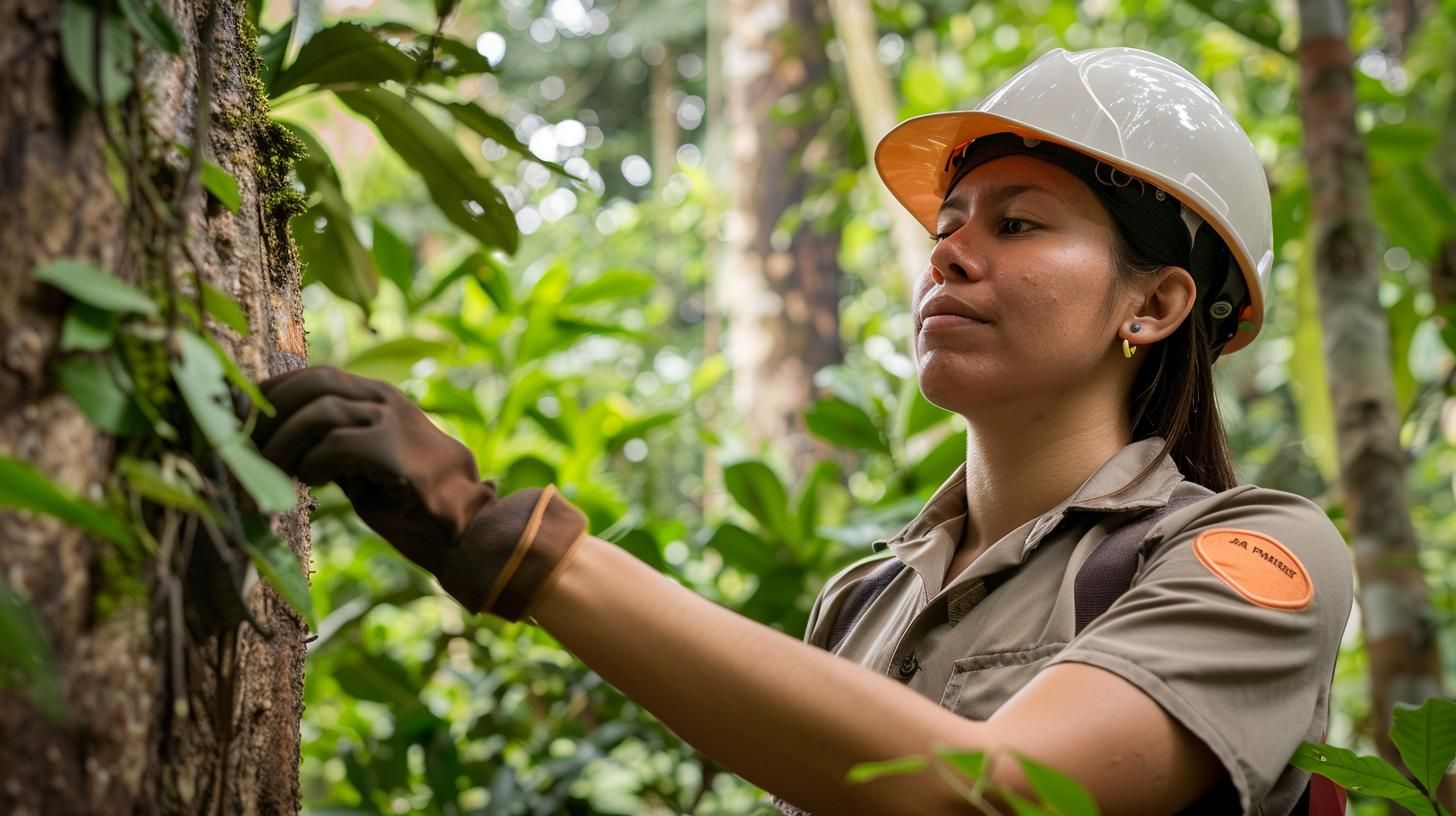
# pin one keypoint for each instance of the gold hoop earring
(1128, 350)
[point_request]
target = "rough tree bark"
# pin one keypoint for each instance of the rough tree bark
(1400, 632)
(125, 747)
(780, 296)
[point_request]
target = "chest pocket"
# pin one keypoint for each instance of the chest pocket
(980, 684)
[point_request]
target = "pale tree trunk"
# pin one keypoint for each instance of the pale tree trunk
(781, 297)
(1400, 633)
(874, 102)
(160, 720)
(665, 132)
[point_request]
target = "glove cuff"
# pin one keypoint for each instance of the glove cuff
(513, 551)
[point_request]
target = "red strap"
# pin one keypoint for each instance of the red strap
(1325, 797)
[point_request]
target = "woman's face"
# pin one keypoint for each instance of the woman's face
(1024, 268)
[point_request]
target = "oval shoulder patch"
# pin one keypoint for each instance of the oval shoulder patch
(1257, 567)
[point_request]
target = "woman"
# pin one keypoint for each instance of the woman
(1097, 204)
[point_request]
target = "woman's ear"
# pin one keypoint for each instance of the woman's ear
(1163, 308)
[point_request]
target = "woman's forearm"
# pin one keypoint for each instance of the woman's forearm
(787, 716)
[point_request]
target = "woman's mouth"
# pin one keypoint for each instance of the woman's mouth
(949, 321)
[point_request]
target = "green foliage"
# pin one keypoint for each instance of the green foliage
(1056, 794)
(221, 184)
(465, 197)
(25, 488)
(1426, 739)
(277, 564)
(152, 22)
(585, 358)
(90, 284)
(26, 658)
(97, 52)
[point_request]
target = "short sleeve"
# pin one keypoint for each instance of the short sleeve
(1218, 630)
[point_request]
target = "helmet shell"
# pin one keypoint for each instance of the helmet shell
(1139, 112)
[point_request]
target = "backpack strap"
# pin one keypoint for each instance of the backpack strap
(1102, 579)
(859, 599)
(1108, 572)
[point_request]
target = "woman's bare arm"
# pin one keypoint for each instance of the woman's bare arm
(793, 719)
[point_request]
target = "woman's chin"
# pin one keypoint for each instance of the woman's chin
(958, 386)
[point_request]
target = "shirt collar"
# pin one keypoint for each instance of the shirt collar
(929, 541)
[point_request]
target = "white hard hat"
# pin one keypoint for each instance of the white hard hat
(1132, 109)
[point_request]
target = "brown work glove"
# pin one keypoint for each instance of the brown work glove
(419, 488)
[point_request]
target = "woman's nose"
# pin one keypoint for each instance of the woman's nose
(949, 264)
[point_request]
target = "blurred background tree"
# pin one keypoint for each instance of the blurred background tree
(587, 234)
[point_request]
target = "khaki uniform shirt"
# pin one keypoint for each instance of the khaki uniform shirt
(1232, 622)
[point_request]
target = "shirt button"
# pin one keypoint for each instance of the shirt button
(908, 666)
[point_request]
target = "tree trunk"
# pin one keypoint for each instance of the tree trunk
(158, 720)
(779, 289)
(1399, 629)
(874, 101)
(665, 131)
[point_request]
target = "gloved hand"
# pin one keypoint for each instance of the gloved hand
(419, 488)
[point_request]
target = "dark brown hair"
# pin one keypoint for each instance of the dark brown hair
(1172, 395)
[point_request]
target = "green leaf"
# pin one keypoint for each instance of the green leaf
(824, 473)
(225, 309)
(239, 380)
(527, 471)
(328, 244)
(80, 54)
(221, 184)
(758, 490)
(495, 282)
(1439, 204)
(1309, 385)
(970, 764)
(1401, 142)
(451, 57)
(393, 359)
(467, 266)
(777, 590)
(90, 385)
(90, 284)
(1060, 793)
(468, 199)
(394, 259)
(154, 24)
(1366, 775)
(916, 413)
(936, 466)
(23, 487)
(844, 424)
(380, 678)
(25, 650)
(199, 375)
(278, 565)
(613, 284)
(272, 48)
(743, 550)
(325, 233)
(496, 129)
(642, 544)
(709, 372)
(1426, 738)
(87, 328)
(866, 771)
(346, 54)
(148, 480)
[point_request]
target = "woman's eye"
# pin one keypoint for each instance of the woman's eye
(941, 236)
(1015, 226)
